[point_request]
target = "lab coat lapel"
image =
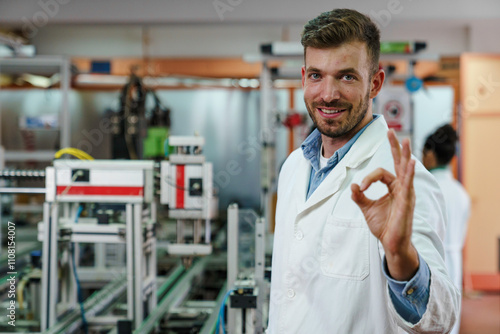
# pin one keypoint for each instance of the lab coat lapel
(363, 148)
(300, 187)
(330, 185)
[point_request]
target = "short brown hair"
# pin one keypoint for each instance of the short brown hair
(339, 26)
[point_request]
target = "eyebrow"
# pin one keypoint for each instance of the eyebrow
(312, 69)
(349, 70)
(342, 71)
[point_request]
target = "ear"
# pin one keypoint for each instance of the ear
(429, 159)
(303, 71)
(376, 83)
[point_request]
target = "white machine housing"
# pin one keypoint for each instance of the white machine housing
(186, 187)
(186, 183)
(102, 181)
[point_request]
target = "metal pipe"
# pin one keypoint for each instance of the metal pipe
(197, 231)
(180, 231)
(7, 190)
(130, 259)
(232, 259)
(260, 258)
(138, 265)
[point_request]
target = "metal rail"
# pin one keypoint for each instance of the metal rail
(179, 290)
(209, 326)
(93, 305)
(176, 272)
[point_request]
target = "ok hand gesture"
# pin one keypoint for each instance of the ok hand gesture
(390, 217)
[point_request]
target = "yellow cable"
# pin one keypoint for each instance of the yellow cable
(75, 152)
(66, 151)
(20, 297)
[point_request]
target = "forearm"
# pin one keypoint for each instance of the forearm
(402, 263)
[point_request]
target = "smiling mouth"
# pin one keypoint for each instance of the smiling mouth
(331, 111)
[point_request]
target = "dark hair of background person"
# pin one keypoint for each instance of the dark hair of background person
(339, 26)
(443, 143)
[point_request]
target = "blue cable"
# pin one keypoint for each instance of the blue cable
(79, 291)
(78, 288)
(78, 213)
(220, 318)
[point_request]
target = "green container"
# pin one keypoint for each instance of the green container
(402, 47)
(154, 143)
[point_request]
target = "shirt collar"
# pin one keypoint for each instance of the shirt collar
(311, 147)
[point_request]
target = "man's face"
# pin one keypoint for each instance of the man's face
(338, 88)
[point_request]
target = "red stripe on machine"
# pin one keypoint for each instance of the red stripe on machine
(180, 186)
(100, 191)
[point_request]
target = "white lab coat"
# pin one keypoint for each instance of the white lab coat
(327, 267)
(457, 211)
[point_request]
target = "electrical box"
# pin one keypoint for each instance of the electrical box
(107, 181)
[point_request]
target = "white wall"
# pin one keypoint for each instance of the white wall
(198, 40)
(485, 36)
(196, 11)
(114, 28)
(217, 40)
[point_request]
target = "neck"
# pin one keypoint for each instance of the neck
(439, 167)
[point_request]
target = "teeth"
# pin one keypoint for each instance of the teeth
(330, 111)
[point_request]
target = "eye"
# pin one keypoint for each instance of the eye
(314, 76)
(348, 77)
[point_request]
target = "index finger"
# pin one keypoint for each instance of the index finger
(379, 174)
(395, 150)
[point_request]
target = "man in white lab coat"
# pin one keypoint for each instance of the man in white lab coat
(439, 150)
(352, 255)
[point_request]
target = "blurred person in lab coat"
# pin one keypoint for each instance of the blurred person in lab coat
(351, 254)
(439, 150)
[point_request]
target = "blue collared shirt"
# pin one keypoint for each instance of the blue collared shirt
(311, 148)
(409, 297)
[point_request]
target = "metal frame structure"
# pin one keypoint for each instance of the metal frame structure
(99, 183)
(236, 319)
(277, 51)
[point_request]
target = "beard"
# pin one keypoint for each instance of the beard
(334, 128)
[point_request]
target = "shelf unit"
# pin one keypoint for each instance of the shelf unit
(46, 66)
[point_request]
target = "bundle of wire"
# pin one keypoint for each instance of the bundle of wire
(74, 152)
(82, 156)
(78, 288)
(220, 318)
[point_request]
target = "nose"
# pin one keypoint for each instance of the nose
(330, 90)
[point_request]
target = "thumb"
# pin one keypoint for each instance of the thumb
(359, 197)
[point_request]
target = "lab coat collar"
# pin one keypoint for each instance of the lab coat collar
(364, 148)
(442, 172)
